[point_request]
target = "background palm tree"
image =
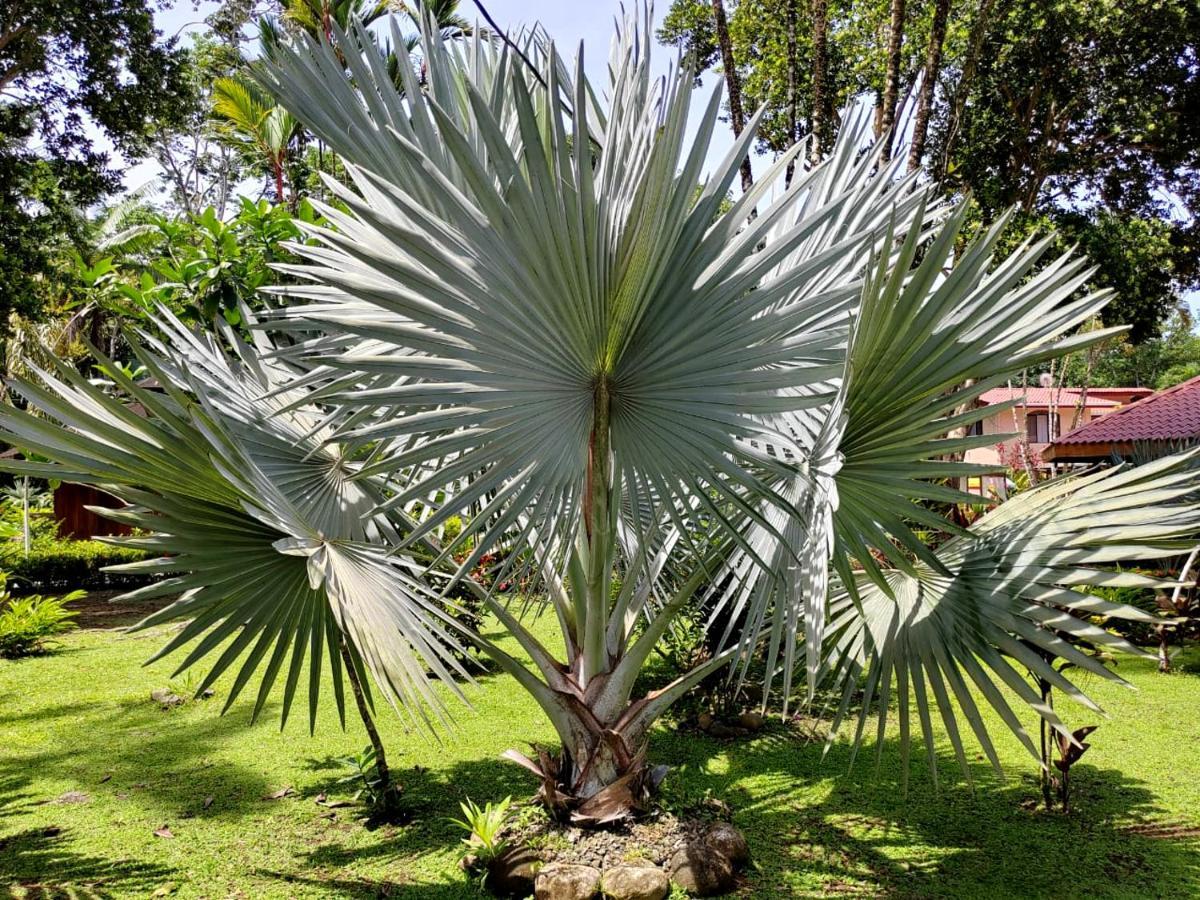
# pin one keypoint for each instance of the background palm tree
(263, 128)
(319, 17)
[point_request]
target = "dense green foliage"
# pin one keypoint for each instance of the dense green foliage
(1125, 150)
(56, 563)
(198, 266)
(1158, 362)
(64, 65)
(1082, 114)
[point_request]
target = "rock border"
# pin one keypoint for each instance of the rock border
(707, 865)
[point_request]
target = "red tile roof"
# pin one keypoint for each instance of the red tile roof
(1121, 391)
(1172, 414)
(1047, 397)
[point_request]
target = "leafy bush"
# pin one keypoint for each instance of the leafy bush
(53, 563)
(41, 514)
(27, 623)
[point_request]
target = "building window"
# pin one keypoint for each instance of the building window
(975, 428)
(1041, 428)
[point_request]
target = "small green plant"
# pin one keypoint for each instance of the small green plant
(28, 623)
(363, 774)
(363, 777)
(529, 814)
(184, 685)
(484, 827)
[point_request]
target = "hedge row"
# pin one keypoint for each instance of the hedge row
(54, 563)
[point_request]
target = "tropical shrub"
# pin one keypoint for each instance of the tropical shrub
(523, 315)
(1175, 614)
(484, 827)
(200, 266)
(27, 624)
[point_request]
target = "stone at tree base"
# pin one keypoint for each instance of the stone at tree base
(560, 881)
(636, 883)
(705, 721)
(754, 721)
(165, 697)
(701, 871)
(721, 730)
(729, 842)
(512, 873)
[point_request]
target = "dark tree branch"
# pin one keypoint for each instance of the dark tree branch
(733, 86)
(487, 17)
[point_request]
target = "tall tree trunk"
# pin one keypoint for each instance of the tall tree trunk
(933, 67)
(822, 127)
(793, 91)
(963, 91)
(891, 79)
(733, 85)
(277, 171)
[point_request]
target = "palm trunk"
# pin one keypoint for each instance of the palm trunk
(733, 86)
(277, 169)
(933, 67)
(891, 81)
(1047, 742)
(601, 773)
(793, 91)
(387, 790)
(822, 127)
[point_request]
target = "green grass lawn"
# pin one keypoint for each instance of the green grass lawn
(82, 721)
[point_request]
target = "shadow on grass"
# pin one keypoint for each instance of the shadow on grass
(39, 861)
(15, 799)
(348, 886)
(160, 760)
(44, 714)
(817, 831)
(865, 836)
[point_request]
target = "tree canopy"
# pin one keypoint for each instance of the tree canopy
(74, 76)
(1084, 115)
